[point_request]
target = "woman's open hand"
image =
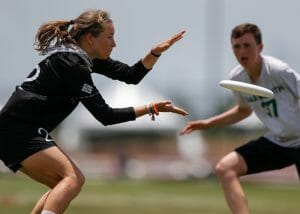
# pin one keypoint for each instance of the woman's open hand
(165, 45)
(166, 106)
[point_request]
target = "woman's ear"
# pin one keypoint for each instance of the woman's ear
(89, 38)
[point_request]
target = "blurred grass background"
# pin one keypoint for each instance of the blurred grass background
(18, 195)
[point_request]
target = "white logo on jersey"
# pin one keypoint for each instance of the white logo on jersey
(35, 76)
(43, 131)
(87, 88)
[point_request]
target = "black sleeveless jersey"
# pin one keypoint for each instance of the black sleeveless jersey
(56, 86)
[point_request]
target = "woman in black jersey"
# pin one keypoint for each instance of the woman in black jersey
(74, 49)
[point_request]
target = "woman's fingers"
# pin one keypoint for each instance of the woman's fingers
(166, 106)
(179, 111)
(177, 37)
(168, 43)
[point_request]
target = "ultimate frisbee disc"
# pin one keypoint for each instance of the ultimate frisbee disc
(247, 88)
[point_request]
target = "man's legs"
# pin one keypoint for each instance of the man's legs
(228, 170)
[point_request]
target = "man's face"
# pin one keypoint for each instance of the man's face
(246, 50)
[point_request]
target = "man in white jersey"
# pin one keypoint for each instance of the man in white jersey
(280, 145)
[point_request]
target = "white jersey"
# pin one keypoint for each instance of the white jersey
(280, 114)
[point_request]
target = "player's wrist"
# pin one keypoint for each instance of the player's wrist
(155, 54)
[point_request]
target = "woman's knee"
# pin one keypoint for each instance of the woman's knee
(75, 181)
(80, 179)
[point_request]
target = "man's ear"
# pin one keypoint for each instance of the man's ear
(261, 47)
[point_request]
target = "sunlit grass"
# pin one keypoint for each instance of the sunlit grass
(18, 195)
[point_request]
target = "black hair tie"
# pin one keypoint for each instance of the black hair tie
(71, 22)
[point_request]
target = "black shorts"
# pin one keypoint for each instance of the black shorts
(17, 145)
(262, 155)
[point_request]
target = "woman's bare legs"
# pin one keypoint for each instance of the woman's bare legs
(55, 169)
(39, 206)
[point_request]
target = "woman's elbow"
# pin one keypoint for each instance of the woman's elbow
(103, 121)
(133, 81)
(105, 124)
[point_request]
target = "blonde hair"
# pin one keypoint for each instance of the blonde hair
(70, 32)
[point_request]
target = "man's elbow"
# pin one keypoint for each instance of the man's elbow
(246, 111)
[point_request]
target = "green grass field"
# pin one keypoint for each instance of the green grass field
(18, 195)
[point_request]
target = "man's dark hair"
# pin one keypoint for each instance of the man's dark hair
(242, 29)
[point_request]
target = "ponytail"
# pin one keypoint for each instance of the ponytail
(52, 33)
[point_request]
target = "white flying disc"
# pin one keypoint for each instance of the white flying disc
(247, 88)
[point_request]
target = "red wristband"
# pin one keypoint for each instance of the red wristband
(155, 109)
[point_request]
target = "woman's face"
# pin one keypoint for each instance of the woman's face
(103, 44)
